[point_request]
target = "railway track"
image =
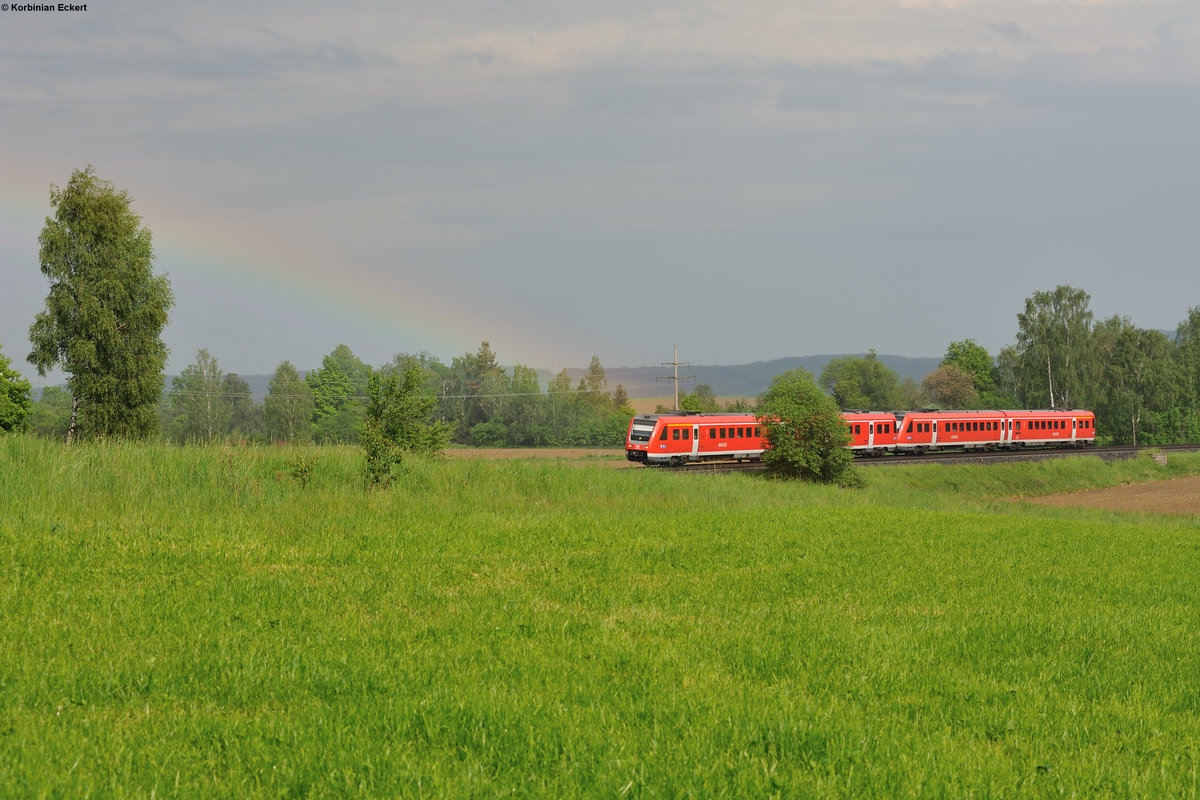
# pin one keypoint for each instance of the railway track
(970, 457)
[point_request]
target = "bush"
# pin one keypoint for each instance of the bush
(805, 432)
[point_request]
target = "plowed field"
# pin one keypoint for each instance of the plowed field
(1176, 496)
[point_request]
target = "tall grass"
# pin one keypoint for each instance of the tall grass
(202, 622)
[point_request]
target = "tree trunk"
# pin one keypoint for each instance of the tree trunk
(1050, 380)
(74, 411)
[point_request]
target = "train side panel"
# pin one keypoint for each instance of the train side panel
(871, 432)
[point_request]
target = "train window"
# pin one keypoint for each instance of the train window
(722, 433)
(741, 433)
(687, 434)
(857, 430)
(675, 434)
(641, 431)
(712, 433)
(663, 437)
(757, 431)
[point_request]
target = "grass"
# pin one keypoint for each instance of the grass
(207, 622)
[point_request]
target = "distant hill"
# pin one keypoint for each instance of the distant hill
(744, 380)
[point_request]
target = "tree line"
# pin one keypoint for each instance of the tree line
(474, 399)
(1144, 385)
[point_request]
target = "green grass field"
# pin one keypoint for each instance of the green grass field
(201, 623)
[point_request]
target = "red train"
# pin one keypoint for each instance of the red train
(682, 437)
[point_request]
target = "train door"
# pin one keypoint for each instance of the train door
(870, 434)
(1074, 427)
(695, 439)
(933, 440)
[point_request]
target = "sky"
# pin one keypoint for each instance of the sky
(746, 180)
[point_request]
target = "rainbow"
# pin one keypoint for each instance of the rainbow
(406, 314)
(233, 258)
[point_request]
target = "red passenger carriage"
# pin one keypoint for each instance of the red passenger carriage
(679, 438)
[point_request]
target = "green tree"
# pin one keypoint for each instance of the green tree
(703, 400)
(1135, 376)
(1185, 351)
(950, 386)
(288, 406)
(593, 386)
(805, 432)
(245, 416)
(1053, 348)
(105, 311)
(399, 420)
(339, 388)
(620, 396)
(475, 386)
(199, 410)
(525, 410)
(975, 360)
(15, 397)
(562, 407)
(50, 416)
(862, 382)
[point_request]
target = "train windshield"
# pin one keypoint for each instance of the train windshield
(641, 430)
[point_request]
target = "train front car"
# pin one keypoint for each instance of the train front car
(637, 441)
(675, 439)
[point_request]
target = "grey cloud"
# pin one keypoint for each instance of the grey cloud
(1008, 30)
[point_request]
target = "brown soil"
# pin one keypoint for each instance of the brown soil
(1176, 496)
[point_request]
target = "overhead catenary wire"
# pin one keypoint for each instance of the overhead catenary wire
(261, 395)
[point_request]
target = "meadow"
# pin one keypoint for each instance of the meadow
(251, 622)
